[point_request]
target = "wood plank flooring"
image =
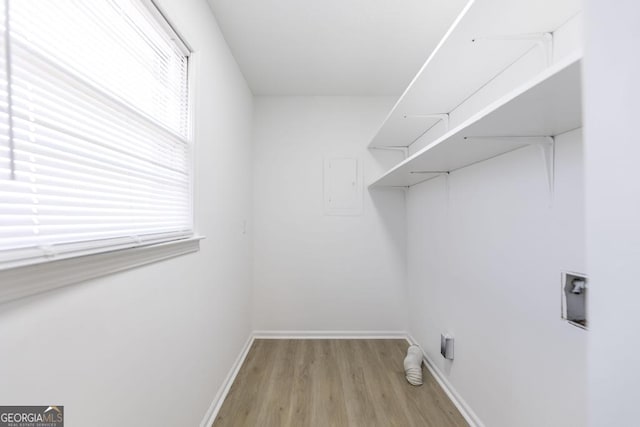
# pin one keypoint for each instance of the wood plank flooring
(338, 383)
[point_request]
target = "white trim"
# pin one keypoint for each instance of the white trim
(465, 410)
(335, 335)
(161, 19)
(24, 257)
(27, 280)
(193, 67)
(221, 395)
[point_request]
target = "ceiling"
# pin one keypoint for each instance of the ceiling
(333, 47)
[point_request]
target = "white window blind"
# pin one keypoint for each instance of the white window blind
(94, 142)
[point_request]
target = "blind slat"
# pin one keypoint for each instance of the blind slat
(94, 149)
(104, 52)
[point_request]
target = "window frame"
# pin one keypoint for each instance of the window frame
(33, 276)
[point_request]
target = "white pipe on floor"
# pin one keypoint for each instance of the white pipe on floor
(413, 365)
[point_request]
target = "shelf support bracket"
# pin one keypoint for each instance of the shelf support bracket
(404, 150)
(442, 117)
(543, 40)
(434, 172)
(549, 156)
(547, 145)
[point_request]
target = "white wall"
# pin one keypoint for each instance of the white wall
(485, 256)
(486, 248)
(612, 89)
(312, 271)
(151, 346)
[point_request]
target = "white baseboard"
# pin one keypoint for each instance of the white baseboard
(215, 406)
(329, 335)
(458, 401)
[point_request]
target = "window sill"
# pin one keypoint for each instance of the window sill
(28, 280)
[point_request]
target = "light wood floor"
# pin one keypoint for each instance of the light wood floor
(322, 383)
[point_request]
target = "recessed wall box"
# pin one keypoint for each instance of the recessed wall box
(574, 298)
(343, 179)
(446, 346)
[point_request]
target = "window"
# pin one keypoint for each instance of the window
(94, 129)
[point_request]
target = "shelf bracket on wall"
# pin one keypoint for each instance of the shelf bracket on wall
(404, 150)
(543, 40)
(547, 145)
(442, 117)
(434, 172)
(549, 155)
